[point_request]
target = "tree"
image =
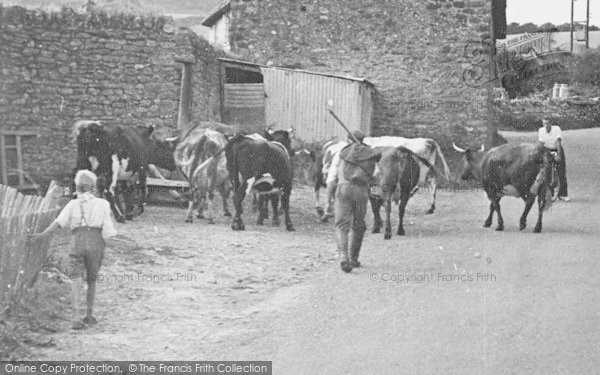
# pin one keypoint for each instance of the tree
(513, 28)
(528, 27)
(547, 27)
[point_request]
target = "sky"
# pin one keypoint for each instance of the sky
(554, 11)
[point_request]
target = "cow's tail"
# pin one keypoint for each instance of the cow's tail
(231, 156)
(547, 199)
(440, 155)
(420, 159)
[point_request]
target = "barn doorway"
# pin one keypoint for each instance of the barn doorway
(242, 95)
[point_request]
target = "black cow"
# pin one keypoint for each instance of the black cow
(252, 158)
(518, 169)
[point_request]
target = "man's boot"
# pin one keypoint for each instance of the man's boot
(355, 244)
(342, 245)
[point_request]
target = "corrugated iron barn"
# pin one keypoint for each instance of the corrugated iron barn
(253, 96)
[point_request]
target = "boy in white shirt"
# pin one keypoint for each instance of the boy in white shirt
(550, 135)
(90, 222)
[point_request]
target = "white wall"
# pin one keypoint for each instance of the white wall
(219, 32)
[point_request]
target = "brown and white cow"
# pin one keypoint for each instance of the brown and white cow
(196, 147)
(522, 170)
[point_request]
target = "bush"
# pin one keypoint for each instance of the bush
(585, 68)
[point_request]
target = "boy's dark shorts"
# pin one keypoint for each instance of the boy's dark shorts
(87, 251)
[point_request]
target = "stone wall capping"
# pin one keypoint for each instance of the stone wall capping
(15, 15)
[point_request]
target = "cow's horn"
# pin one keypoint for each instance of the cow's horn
(458, 148)
(482, 148)
(171, 139)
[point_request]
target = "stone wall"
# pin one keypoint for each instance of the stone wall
(56, 68)
(412, 50)
(526, 114)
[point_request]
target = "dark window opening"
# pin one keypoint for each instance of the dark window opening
(236, 75)
(10, 140)
(11, 158)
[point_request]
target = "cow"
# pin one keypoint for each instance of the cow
(247, 158)
(399, 173)
(117, 156)
(522, 170)
(195, 147)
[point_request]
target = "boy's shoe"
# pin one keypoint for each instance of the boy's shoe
(565, 199)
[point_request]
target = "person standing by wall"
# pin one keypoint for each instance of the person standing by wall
(90, 222)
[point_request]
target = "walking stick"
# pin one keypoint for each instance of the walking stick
(329, 107)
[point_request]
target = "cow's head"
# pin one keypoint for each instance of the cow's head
(471, 162)
(305, 153)
(282, 136)
(93, 144)
(161, 149)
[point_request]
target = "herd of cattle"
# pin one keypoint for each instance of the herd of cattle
(216, 157)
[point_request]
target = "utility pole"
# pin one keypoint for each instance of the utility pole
(587, 25)
(572, 9)
(492, 130)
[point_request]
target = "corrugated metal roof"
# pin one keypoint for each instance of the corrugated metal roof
(296, 70)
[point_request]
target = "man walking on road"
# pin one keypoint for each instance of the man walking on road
(550, 135)
(354, 173)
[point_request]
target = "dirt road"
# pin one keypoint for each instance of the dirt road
(423, 303)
